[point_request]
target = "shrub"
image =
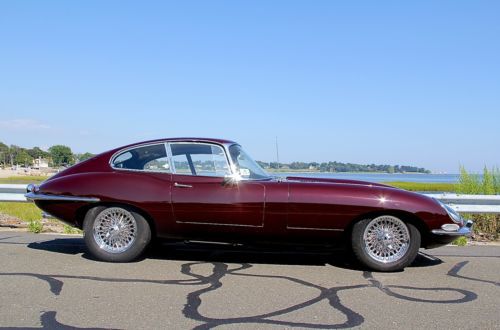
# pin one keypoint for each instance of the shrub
(468, 183)
(71, 230)
(460, 241)
(35, 226)
(484, 224)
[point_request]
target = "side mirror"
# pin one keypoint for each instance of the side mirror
(231, 180)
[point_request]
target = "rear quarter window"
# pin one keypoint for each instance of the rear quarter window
(150, 158)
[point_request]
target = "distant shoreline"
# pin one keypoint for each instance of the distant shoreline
(352, 172)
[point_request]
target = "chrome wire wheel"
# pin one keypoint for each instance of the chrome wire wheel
(115, 230)
(386, 239)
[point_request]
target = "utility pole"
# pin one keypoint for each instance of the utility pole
(277, 154)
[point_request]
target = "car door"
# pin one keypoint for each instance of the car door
(201, 195)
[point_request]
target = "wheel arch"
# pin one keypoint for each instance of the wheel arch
(407, 217)
(83, 211)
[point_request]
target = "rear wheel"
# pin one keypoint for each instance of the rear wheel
(385, 243)
(116, 234)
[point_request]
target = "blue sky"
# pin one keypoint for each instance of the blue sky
(386, 82)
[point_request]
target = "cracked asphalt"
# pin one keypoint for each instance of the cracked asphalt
(49, 281)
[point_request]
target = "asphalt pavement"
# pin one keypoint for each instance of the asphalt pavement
(49, 281)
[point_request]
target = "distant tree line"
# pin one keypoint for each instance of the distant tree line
(61, 155)
(344, 167)
(58, 155)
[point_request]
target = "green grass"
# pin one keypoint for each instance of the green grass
(489, 184)
(71, 230)
(424, 186)
(24, 179)
(35, 226)
(460, 241)
(32, 215)
(22, 211)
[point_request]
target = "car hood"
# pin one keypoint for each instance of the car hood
(335, 181)
(362, 193)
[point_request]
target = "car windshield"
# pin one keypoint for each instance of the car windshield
(246, 167)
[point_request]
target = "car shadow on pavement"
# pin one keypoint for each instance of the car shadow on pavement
(61, 245)
(181, 251)
(339, 257)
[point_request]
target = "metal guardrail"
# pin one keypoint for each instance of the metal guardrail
(12, 193)
(460, 203)
(470, 203)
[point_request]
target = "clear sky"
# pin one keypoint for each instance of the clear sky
(386, 82)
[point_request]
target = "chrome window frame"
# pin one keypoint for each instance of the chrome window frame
(225, 147)
(222, 146)
(233, 165)
(122, 151)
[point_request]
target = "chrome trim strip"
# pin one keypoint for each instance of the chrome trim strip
(466, 230)
(232, 166)
(217, 224)
(141, 171)
(339, 183)
(44, 197)
(169, 156)
(180, 185)
(310, 228)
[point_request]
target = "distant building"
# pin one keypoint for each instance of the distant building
(39, 163)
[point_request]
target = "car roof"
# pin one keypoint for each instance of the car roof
(181, 139)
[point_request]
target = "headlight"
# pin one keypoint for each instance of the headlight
(452, 213)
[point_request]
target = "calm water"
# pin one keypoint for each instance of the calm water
(381, 177)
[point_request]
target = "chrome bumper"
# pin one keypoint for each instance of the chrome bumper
(465, 230)
(34, 195)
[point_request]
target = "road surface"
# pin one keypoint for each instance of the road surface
(49, 281)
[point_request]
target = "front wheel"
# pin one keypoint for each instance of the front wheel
(115, 234)
(385, 243)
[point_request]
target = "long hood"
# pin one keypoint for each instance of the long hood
(364, 196)
(335, 181)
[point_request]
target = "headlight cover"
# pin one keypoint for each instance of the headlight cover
(452, 213)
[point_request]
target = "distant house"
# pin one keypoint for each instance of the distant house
(39, 163)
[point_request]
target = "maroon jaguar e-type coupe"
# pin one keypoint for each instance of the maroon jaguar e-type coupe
(210, 189)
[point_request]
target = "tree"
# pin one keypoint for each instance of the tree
(84, 156)
(274, 165)
(4, 154)
(23, 158)
(263, 164)
(13, 152)
(61, 155)
(37, 153)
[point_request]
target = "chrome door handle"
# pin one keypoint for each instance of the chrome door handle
(179, 185)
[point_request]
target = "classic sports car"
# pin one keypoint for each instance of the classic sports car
(211, 190)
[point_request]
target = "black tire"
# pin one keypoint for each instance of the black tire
(134, 248)
(364, 252)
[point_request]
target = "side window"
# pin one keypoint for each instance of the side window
(148, 158)
(199, 159)
(181, 164)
